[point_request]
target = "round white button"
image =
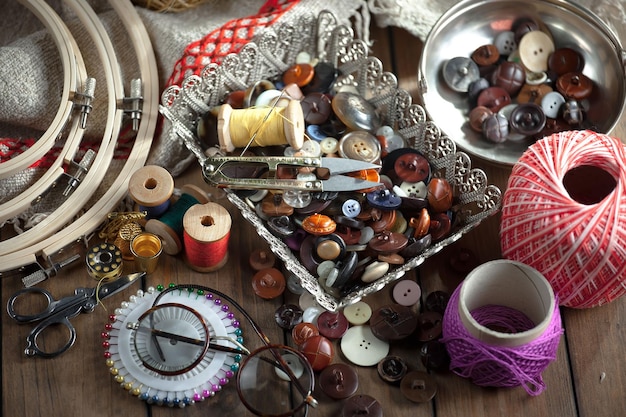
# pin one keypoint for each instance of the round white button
(358, 313)
(362, 348)
(407, 292)
(294, 363)
(551, 104)
(307, 300)
(415, 189)
(329, 145)
(310, 315)
(505, 42)
(534, 50)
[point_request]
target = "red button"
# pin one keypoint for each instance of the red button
(332, 325)
(412, 167)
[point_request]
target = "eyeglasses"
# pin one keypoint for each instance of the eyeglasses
(273, 381)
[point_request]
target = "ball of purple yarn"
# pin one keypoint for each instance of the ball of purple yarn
(499, 366)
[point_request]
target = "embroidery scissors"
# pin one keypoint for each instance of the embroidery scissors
(327, 173)
(59, 312)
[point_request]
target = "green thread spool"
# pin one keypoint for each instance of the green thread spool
(169, 227)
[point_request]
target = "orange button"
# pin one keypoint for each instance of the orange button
(299, 74)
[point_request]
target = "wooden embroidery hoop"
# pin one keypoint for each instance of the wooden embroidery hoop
(47, 238)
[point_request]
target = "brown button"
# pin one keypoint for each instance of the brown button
(437, 301)
(333, 325)
(339, 381)
(288, 315)
(319, 351)
(361, 405)
(530, 93)
(486, 55)
(564, 60)
(494, 98)
(440, 225)
(528, 119)
(382, 219)
(393, 322)
(303, 331)
(268, 283)
(274, 205)
(299, 74)
(440, 195)
(522, 26)
(429, 326)
(463, 261)
(235, 99)
(261, 259)
(392, 369)
(387, 242)
(510, 76)
(434, 356)
(477, 116)
(412, 167)
(574, 85)
(316, 108)
(496, 128)
(418, 386)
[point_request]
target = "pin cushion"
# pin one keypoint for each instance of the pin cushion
(412, 142)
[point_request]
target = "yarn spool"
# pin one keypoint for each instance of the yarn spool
(238, 128)
(206, 234)
(151, 187)
(502, 326)
(169, 227)
(564, 214)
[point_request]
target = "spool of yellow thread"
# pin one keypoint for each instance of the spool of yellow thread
(268, 126)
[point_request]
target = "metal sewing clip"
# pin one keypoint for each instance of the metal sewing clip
(81, 168)
(85, 99)
(326, 171)
(134, 102)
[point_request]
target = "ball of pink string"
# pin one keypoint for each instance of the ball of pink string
(498, 366)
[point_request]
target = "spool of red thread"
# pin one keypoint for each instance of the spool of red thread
(206, 231)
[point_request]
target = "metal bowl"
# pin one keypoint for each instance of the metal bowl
(472, 23)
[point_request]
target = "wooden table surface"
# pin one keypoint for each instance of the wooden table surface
(588, 378)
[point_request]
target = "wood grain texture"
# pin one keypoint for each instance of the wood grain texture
(588, 378)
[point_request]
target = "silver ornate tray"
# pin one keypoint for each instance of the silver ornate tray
(267, 57)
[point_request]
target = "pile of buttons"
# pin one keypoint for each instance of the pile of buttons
(522, 86)
(366, 337)
(348, 239)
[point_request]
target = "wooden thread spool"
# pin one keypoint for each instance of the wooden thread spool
(151, 187)
(169, 227)
(239, 128)
(206, 235)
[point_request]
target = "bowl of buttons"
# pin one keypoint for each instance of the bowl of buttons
(342, 242)
(500, 74)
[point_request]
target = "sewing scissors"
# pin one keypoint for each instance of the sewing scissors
(327, 173)
(59, 312)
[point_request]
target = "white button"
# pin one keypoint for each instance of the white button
(407, 292)
(310, 314)
(358, 313)
(303, 58)
(415, 189)
(505, 42)
(297, 199)
(351, 208)
(551, 104)
(324, 268)
(267, 99)
(294, 363)
(385, 131)
(311, 148)
(329, 145)
(367, 233)
(307, 300)
(534, 50)
(362, 348)
(374, 271)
